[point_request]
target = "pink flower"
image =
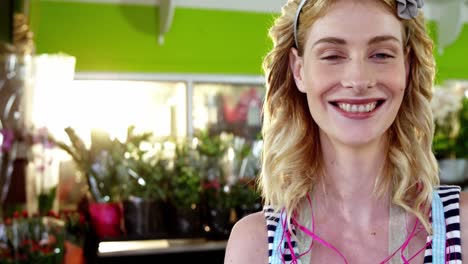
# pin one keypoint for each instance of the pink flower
(7, 139)
(214, 184)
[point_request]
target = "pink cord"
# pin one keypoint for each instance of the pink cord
(328, 245)
(288, 239)
(405, 245)
(311, 234)
(314, 236)
(313, 226)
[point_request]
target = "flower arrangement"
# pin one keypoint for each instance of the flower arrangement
(147, 167)
(446, 105)
(217, 194)
(76, 226)
(245, 196)
(212, 149)
(34, 239)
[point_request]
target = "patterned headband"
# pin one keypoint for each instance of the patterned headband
(406, 9)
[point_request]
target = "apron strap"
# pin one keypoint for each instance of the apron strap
(438, 230)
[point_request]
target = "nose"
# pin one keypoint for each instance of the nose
(359, 76)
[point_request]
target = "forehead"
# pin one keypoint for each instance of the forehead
(355, 21)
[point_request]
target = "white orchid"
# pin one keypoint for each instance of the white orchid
(446, 103)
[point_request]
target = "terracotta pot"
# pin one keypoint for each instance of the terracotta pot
(106, 219)
(73, 254)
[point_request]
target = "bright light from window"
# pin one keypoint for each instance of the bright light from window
(112, 106)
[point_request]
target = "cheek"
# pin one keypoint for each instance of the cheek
(393, 77)
(318, 80)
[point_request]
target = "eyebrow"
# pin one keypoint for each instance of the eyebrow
(340, 41)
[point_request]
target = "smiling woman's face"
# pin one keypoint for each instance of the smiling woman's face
(353, 71)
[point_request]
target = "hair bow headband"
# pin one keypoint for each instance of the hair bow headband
(406, 9)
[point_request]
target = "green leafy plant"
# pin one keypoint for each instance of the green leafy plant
(245, 195)
(185, 181)
(211, 145)
(102, 163)
(461, 144)
(217, 194)
(26, 239)
(446, 107)
(147, 167)
(45, 200)
(75, 227)
(212, 149)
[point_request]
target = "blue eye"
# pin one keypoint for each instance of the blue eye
(382, 56)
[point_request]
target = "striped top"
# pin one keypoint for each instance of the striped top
(444, 246)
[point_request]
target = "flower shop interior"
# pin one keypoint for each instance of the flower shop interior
(131, 129)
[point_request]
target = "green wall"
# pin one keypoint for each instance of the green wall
(453, 62)
(123, 38)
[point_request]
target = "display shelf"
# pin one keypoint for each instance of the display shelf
(157, 246)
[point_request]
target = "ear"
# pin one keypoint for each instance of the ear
(296, 64)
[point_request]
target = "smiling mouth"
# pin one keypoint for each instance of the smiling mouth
(358, 107)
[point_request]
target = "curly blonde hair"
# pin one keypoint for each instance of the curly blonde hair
(292, 157)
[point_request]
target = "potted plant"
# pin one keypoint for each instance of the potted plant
(245, 169)
(76, 228)
(146, 188)
(212, 149)
(41, 157)
(449, 150)
(245, 196)
(102, 164)
(461, 145)
(36, 239)
(185, 194)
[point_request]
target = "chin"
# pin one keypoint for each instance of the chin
(358, 139)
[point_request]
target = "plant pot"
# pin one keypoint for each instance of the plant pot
(187, 222)
(219, 223)
(144, 218)
(73, 254)
(452, 171)
(106, 219)
(244, 210)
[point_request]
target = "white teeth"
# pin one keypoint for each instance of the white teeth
(357, 108)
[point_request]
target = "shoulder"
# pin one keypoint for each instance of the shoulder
(464, 222)
(248, 241)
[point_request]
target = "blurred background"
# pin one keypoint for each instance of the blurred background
(130, 129)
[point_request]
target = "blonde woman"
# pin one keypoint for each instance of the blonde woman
(348, 175)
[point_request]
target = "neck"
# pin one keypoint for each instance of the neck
(350, 176)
